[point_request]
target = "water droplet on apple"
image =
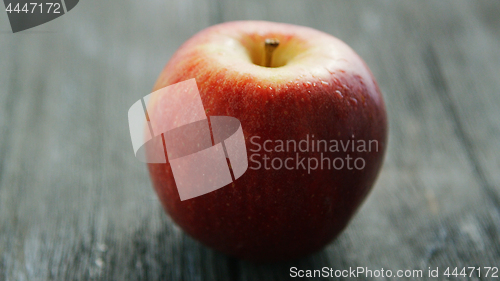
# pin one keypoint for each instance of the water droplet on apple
(339, 93)
(353, 101)
(324, 83)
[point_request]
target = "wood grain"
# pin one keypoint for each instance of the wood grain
(76, 205)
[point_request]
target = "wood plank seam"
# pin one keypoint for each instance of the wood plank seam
(432, 63)
(13, 88)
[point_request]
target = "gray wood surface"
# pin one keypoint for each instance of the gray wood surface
(76, 205)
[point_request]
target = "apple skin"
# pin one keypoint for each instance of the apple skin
(322, 88)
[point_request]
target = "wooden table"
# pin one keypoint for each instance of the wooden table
(76, 205)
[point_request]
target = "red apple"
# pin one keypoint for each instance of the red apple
(316, 88)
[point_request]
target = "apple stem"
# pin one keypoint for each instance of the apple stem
(270, 45)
